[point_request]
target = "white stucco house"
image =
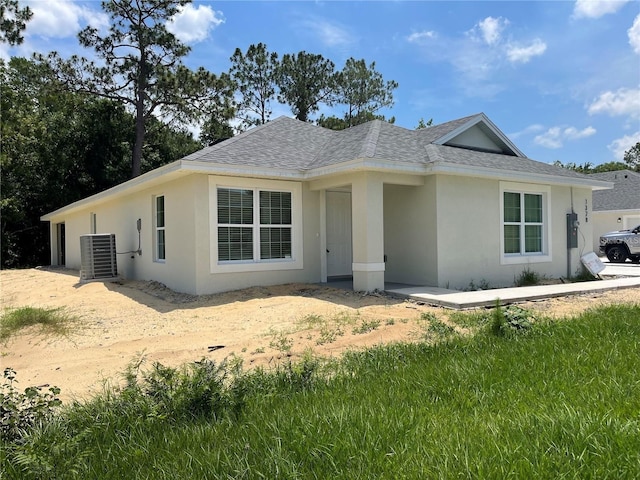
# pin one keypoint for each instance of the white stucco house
(617, 208)
(292, 202)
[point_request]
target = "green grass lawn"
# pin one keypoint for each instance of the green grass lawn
(559, 401)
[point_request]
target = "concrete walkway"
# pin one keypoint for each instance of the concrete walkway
(486, 298)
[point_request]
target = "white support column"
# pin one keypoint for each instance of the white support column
(368, 232)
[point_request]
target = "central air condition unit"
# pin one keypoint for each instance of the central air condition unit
(98, 257)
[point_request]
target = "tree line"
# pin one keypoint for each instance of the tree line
(72, 127)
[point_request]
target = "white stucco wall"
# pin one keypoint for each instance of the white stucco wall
(410, 225)
(469, 238)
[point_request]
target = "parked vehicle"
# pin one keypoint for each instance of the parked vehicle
(621, 244)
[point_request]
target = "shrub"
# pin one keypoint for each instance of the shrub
(513, 319)
(20, 412)
(527, 278)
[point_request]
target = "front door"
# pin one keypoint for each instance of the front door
(339, 255)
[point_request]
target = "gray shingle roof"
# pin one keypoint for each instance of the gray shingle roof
(625, 194)
(286, 143)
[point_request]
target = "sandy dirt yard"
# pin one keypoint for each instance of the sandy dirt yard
(119, 323)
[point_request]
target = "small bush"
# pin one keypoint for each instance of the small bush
(528, 278)
(513, 319)
(20, 412)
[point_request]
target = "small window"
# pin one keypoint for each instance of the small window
(523, 223)
(160, 245)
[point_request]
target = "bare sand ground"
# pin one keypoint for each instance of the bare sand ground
(125, 321)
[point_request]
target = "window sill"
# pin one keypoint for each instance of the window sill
(524, 259)
(264, 266)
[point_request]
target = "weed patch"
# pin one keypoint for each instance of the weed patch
(52, 321)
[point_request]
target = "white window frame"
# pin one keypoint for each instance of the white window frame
(157, 229)
(256, 264)
(526, 258)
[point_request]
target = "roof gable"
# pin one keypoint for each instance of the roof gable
(477, 132)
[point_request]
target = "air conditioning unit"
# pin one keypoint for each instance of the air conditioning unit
(98, 257)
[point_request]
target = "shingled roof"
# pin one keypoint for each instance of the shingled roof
(625, 194)
(286, 143)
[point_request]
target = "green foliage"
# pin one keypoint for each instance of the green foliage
(363, 90)
(254, 75)
(305, 81)
(511, 320)
(527, 278)
(281, 342)
(52, 321)
(13, 21)
(632, 157)
(366, 326)
(20, 412)
(422, 124)
(145, 71)
(561, 403)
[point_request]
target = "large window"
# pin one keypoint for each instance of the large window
(522, 223)
(160, 252)
(254, 225)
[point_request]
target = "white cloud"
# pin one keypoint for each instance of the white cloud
(418, 37)
(556, 136)
(535, 128)
(518, 54)
(634, 35)
(61, 19)
(621, 145)
(596, 8)
(625, 101)
(330, 34)
(491, 29)
(192, 25)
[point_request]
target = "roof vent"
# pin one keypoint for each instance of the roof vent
(98, 257)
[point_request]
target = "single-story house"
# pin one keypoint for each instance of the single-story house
(289, 201)
(617, 208)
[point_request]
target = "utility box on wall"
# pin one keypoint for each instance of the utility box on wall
(98, 257)
(572, 230)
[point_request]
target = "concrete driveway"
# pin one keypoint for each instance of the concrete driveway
(626, 269)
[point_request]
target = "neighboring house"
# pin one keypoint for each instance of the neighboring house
(618, 208)
(292, 202)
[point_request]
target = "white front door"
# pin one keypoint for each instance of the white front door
(339, 255)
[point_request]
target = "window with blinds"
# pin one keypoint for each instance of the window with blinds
(253, 225)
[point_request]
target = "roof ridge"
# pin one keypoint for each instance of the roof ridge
(371, 142)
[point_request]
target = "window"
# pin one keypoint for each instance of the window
(525, 230)
(160, 246)
(254, 225)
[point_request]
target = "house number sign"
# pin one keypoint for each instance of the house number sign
(586, 210)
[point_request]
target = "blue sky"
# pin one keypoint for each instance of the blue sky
(560, 78)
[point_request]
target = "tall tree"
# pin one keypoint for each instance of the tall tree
(422, 124)
(336, 123)
(363, 90)
(13, 21)
(306, 80)
(58, 147)
(632, 157)
(254, 75)
(141, 67)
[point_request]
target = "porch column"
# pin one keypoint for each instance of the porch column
(367, 232)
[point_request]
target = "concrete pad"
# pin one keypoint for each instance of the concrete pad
(487, 298)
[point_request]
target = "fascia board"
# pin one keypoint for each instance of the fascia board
(540, 178)
(481, 117)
